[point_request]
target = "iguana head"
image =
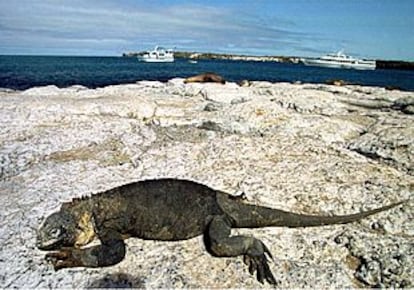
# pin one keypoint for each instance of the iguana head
(66, 229)
(58, 230)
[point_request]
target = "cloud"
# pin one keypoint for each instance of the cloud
(110, 27)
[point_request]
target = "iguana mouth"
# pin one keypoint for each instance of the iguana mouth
(51, 244)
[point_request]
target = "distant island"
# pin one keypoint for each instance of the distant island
(381, 64)
(209, 55)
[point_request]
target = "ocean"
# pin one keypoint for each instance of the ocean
(22, 72)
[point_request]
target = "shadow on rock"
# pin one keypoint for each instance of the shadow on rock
(117, 280)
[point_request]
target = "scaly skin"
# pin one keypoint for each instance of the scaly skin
(166, 210)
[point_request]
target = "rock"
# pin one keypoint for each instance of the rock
(392, 88)
(176, 82)
(77, 88)
(226, 127)
(7, 90)
(151, 84)
(408, 109)
(379, 265)
(405, 101)
(42, 91)
(370, 104)
(405, 104)
(117, 280)
(245, 83)
(239, 100)
(299, 147)
(338, 83)
(391, 141)
(221, 94)
(211, 107)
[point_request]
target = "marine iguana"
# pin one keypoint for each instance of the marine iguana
(167, 210)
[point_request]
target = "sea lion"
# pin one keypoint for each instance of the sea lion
(208, 77)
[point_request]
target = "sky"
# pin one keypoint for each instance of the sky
(379, 29)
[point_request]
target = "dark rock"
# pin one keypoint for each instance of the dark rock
(405, 104)
(212, 107)
(338, 83)
(245, 83)
(117, 280)
(408, 110)
(405, 101)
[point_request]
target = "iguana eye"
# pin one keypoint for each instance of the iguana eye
(55, 232)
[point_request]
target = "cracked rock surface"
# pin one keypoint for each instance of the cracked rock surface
(307, 148)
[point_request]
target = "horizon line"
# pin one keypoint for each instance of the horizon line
(179, 51)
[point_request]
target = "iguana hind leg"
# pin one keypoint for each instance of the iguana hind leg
(110, 252)
(221, 244)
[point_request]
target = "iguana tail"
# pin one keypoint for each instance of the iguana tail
(251, 216)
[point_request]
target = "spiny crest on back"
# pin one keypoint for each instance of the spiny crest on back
(78, 201)
(74, 202)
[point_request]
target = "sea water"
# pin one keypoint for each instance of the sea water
(22, 72)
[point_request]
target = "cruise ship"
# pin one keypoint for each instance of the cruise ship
(159, 54)
(340, 60)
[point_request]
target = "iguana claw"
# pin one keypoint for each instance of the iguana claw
(257, 261)
(62, 259)
(260, 265)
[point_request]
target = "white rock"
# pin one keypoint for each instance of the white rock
(300, 148)
(42, 91)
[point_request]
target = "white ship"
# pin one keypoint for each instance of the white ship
(340, 60)
(159, 54)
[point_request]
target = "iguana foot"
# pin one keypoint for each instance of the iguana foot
(64, 258)
(110, 252)
(257, 262)
(222, 244)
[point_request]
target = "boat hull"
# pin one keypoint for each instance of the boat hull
(156, 60)
(332, 64)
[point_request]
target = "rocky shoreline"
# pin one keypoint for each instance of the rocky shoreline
(308, 148)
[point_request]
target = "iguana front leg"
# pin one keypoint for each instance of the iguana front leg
(221, 244)
(110, 252)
